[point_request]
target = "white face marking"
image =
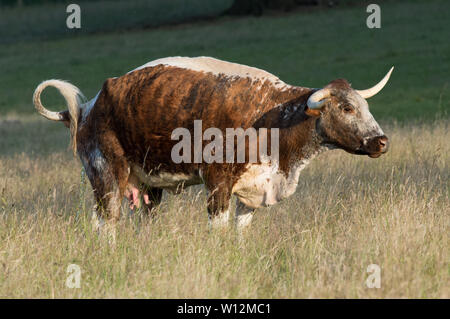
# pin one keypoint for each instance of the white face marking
(215, 66)
(367, 126)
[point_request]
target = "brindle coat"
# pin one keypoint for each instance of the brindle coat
(124, 134)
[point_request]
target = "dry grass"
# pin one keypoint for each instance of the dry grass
(348, 212)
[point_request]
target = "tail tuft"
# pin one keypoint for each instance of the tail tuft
(74, 99)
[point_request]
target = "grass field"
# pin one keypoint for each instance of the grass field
(348, 211)
(48, 20)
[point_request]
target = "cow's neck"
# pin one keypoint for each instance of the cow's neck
(297, 148)
(299, 139)
(267, 184)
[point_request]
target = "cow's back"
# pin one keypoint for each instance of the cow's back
(145, 106)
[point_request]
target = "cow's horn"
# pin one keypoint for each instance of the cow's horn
(316, 100)
(377, 88)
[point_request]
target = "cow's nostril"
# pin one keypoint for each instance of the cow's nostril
(383, 141)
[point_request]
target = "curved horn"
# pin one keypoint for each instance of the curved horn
(377, 88)
(316, 100)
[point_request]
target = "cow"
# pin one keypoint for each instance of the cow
(124, 135)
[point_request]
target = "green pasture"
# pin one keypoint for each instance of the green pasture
(308, 47)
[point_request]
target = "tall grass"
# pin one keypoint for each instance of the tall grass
(348, 212)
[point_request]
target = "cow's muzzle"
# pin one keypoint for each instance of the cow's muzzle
(377, 146)
(374, 147)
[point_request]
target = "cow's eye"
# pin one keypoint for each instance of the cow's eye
(348, 109)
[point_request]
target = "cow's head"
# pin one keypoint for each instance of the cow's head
(345, 120)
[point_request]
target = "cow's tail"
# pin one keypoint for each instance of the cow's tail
(74, 99)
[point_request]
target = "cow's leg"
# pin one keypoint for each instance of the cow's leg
(108, 172)
(218, 207)
(107, 212)
(152, 198)
(109, 190)
(244, 215)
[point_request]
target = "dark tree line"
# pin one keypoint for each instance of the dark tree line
(238, 7)
(21, 3)
(257, 7)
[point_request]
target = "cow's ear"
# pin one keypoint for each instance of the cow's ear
(313, 112)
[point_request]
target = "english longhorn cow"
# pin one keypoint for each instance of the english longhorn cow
(123, 135)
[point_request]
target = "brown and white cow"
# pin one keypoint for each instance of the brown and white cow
(123, 135)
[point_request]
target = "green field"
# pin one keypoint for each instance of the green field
(305, 48)
(348, 211)
(48, 20)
